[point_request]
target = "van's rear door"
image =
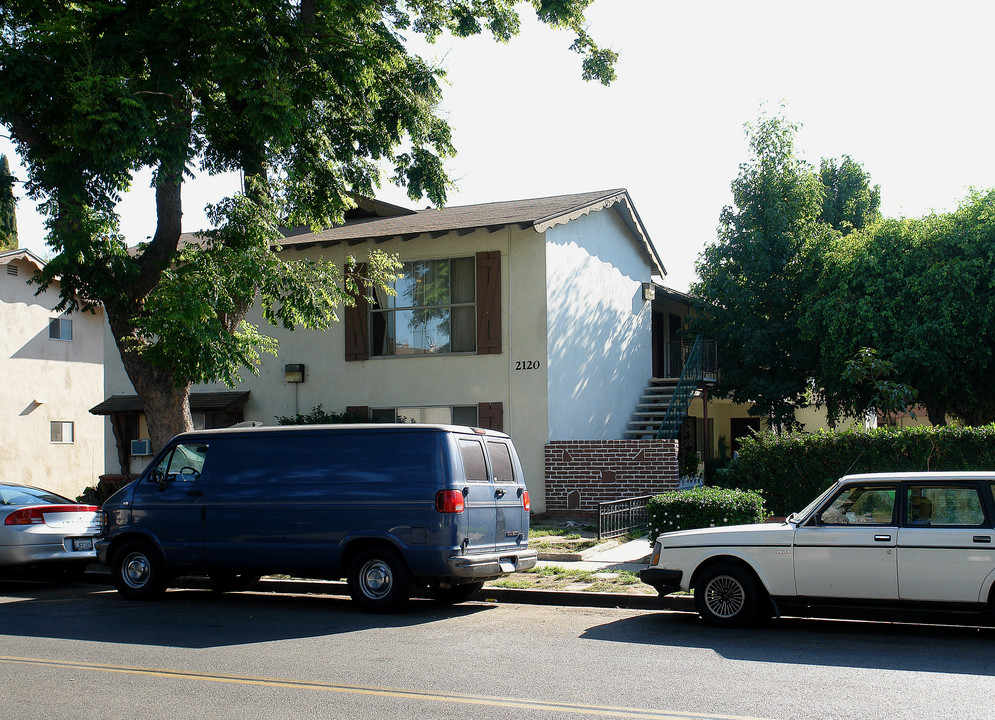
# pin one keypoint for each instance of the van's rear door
(479, 497)
(510, 517)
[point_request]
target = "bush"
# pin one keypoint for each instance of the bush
(318, 416)
(703, 507)
(791, 470)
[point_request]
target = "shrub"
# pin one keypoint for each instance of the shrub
(319, 416)
(791, 470)
(703, 507)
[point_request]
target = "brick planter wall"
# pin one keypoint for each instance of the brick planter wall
(582, 473)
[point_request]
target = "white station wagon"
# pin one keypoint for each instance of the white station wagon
(898, 540)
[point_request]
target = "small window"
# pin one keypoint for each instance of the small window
(860, 505)
(62, 431)
(473, 460)
(437, 415)
(944, 505)
(60, 329)
(504, 468)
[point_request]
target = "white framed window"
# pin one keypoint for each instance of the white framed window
(433, 313)
(60, 329)
(62, 431)
(436, 415)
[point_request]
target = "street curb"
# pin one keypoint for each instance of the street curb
(513, 596)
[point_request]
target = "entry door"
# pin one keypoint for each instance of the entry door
(851, 551)
(169, 503)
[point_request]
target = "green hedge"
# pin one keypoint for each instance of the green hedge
(791, 470)
(703, 507)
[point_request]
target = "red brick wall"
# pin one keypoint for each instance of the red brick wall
(582, 473)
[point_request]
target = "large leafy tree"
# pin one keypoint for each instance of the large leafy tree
(921, 293)
(751, 282)
(308, 99)
(8, 216)
(850, 201)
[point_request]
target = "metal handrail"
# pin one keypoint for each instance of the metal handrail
(617, 517)
(691, 377)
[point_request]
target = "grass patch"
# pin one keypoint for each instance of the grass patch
(514, 584)
(552, 532)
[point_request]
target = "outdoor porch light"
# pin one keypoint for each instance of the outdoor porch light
(293, 373)
(649, 292)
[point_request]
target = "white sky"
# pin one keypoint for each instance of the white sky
(902, 87)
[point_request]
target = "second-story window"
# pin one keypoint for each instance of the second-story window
(60, 329)
(434, 311)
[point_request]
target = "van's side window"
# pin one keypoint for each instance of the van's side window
(473, 460)
(504, 469)
(183, 464)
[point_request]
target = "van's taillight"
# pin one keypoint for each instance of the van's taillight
(449, 501)
(36, 515)
(526, 503)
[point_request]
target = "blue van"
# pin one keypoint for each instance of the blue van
(389, 507)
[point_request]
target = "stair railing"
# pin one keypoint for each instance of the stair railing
(691, 377)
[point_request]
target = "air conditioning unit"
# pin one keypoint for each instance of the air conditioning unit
(141, 447)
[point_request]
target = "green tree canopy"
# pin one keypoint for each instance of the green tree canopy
(308, 99)
(8, 207)
(921, 293)
(850, 202)
(751, 282)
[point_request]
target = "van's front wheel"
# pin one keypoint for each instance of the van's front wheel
(139, 572)
(379, 581)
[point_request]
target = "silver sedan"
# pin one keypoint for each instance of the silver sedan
(44, 535)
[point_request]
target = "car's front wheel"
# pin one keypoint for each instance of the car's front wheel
(727, 595)
(139, 572)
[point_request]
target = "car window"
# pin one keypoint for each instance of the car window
(22, 495)
(504, 469)
(861, 505)
(474, 464)
(184, 464)
(943, 505)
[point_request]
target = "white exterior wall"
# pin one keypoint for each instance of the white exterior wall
(599, 327)
(48, 380)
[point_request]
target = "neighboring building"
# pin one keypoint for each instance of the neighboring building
(52, 366)
(533, 317)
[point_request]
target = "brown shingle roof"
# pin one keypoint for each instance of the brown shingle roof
(539, 213)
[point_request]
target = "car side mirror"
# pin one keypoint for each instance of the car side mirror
(817, 519)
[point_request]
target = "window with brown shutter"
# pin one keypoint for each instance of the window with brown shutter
(491, 416)
(489, 303)
(356, 320)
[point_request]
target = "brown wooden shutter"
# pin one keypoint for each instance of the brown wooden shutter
(489, 303)
(362, 410)
(357, 323)
(491, 416)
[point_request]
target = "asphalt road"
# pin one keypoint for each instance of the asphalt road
(84, 652)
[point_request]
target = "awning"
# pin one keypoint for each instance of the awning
(225, 401)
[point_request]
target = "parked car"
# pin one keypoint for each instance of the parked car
(389, 507)
(45, 535)
(888, 541)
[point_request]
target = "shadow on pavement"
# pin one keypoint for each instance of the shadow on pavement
(195, 619)
(818, 642)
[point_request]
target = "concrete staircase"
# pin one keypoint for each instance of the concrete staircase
(651, 409)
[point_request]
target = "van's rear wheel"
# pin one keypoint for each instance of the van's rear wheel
(139, 572)
(379, 581)
(454, 593)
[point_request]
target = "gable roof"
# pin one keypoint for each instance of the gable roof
(24, 254)
(386, 222)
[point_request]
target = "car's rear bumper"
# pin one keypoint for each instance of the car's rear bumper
(492, 564)
(665, 581)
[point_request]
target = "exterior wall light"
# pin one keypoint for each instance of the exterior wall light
(293, 373)
(649, 292)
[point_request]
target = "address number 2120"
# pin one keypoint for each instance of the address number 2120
(527, 364)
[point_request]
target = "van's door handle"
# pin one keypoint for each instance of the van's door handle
(499, 493)
(882, 538)
(982, 538)
(195, 493)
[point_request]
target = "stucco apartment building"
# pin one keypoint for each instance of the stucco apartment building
(52, 369)
(534, 317)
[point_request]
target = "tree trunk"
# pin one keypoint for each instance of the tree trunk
(167, 407)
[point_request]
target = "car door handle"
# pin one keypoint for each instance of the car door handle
(982, 538)
(499, 493)
(882, 538)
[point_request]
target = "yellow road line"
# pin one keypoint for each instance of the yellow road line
(482, 700)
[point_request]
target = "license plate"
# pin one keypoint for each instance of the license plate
(82, 544)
